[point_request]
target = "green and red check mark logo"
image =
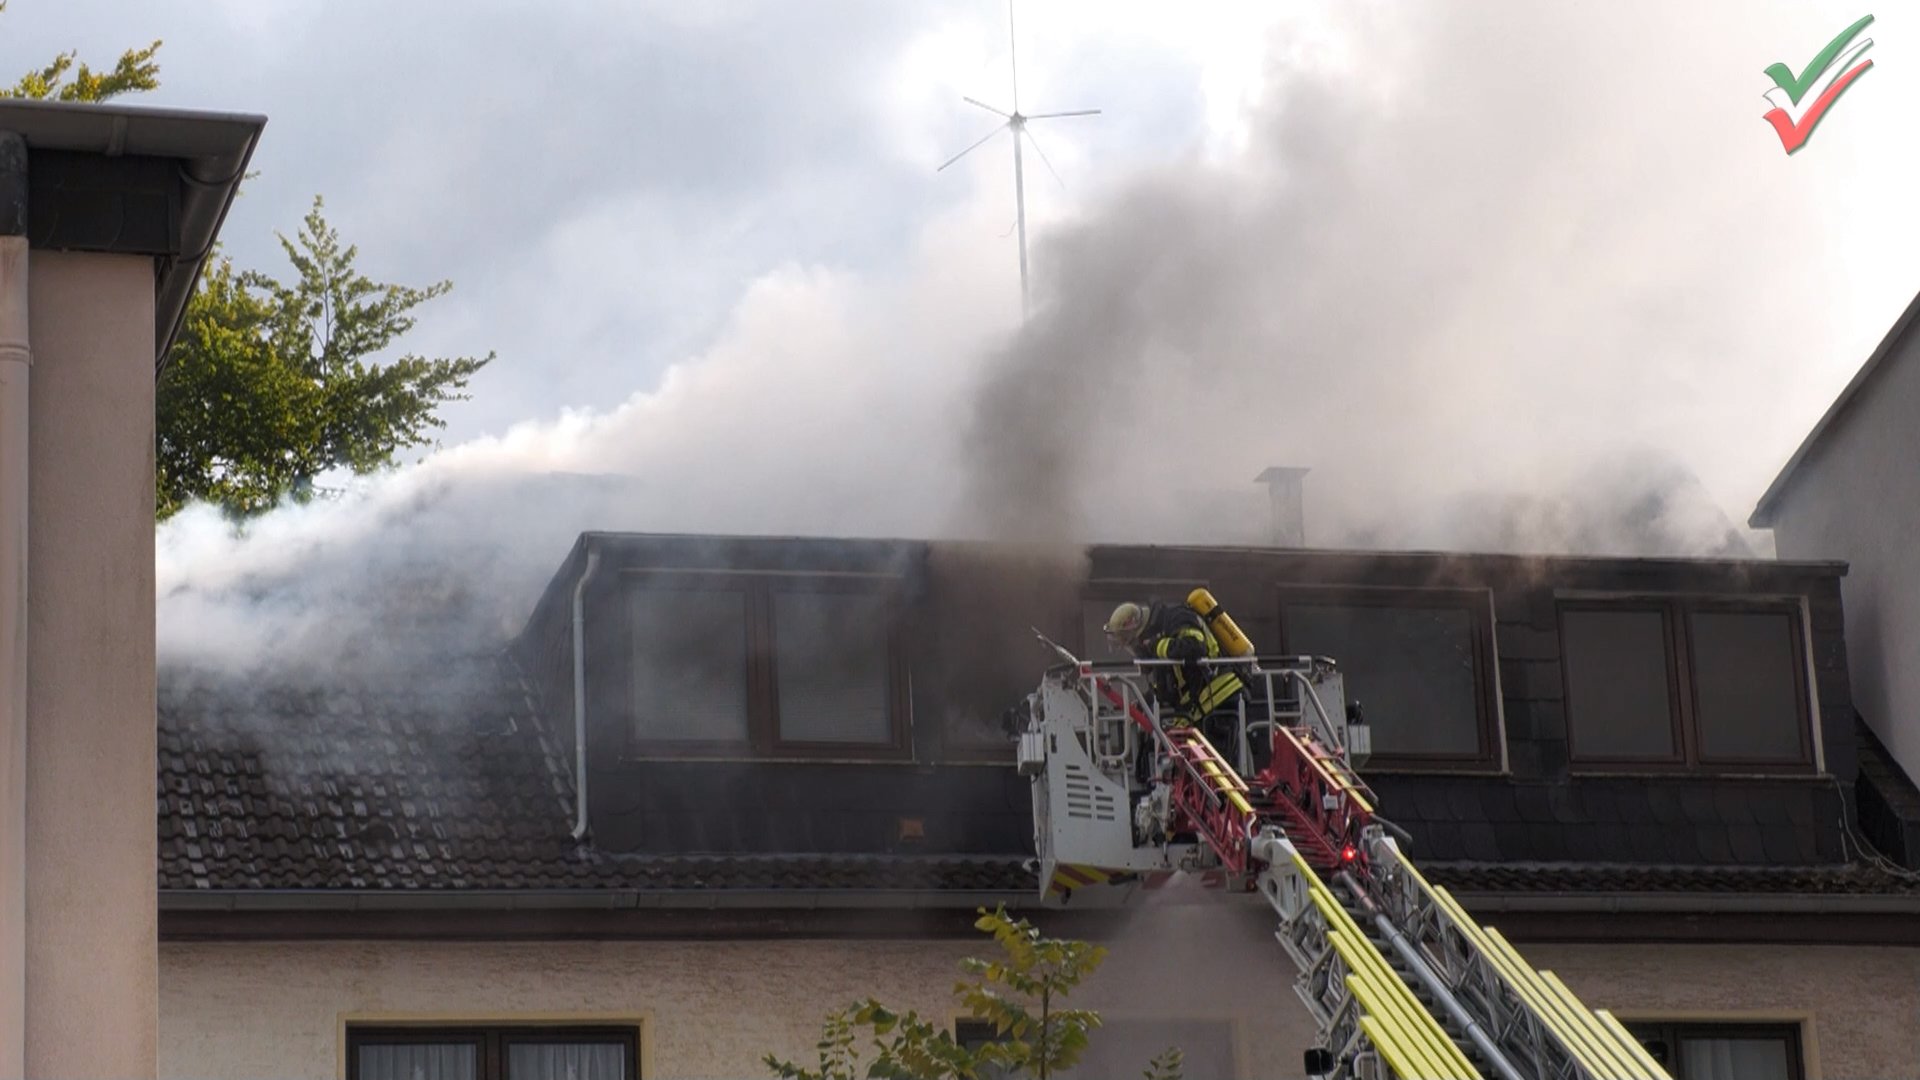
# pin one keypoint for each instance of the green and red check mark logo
(1830, 72)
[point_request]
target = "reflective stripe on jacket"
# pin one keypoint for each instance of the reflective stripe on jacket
(1176, 632)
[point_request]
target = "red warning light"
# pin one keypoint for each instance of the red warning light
(1349, 853)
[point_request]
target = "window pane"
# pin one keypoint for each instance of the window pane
(419, 1061)
(1123, 1047)
(1410, 668)
(1735, 1059)
(1744, 682)
(690, 665)
(832, 667)
(566, 1061)
(1617, 699)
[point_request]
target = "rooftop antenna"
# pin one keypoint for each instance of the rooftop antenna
(1016, 121)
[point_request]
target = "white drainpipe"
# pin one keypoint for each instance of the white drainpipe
(15, 360)
(580, 698)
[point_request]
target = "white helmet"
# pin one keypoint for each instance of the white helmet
(1124, 627)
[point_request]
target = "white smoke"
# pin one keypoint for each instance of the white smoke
(1488, 270)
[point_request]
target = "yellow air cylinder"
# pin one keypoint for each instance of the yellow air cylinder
(1232, 641)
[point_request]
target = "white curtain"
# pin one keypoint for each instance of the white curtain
(567, 1061)
(419, 1061)
(1734, 1059)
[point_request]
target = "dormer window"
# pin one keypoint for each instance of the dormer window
(1419, 661)
(765, 665)
(1680, 683)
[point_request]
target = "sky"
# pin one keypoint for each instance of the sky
(1504, 275)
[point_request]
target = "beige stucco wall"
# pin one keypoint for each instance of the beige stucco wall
(1857, 497)
(712, 1009)
(1860, 1006)
(91, 963)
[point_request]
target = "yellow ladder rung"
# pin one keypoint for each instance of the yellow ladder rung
(1566, 1021)
(1392, 997)
(1390, 1049)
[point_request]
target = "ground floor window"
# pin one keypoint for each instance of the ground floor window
(1691, 1051)
(516, 1052)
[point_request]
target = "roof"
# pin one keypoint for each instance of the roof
(310, 783)
(120, 179)
(355, 785)
(316, 785)
(314, 792)
(1763, 511)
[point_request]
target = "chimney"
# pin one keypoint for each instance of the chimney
(1285, 490)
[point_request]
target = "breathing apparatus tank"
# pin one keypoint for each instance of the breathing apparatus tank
(1232, 641)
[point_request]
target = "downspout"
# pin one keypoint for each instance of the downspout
(580, 696)
(15, 361)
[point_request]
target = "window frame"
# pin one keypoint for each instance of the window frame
(1490, 756)
(764, 738)
(492, 1039)
(1676, 616)
(1673, 1032)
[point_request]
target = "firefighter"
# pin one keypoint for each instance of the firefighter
(1176, 632)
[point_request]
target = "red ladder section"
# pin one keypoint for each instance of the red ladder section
(1306, 789)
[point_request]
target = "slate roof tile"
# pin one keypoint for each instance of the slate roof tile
(1631, 807)
(1714, 844)
(1700, 806)
(1664, 803)
(1533, 803)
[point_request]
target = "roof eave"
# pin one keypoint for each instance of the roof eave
(587, 899)
(1587, 903)
(213, 150)
(1600, 903)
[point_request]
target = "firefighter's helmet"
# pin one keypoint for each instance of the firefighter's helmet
(1124, 627)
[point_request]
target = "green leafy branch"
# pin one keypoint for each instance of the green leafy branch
(1019, 996)
(136, 71)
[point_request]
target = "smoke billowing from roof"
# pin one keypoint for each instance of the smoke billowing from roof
(1463, 275)
(1491, 298)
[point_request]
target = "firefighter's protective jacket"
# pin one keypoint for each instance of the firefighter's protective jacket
(1177, 632)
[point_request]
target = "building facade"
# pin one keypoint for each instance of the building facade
(1852, 491)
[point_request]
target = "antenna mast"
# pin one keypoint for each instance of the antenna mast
(1016, 121)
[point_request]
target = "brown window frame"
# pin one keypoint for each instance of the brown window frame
(1673, 1032)
(1478, 605)
(492, 1040)
(764, 739)
(1683, 701)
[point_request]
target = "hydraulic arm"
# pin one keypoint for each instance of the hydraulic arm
(1402, 981)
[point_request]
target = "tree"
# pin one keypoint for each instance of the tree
(1019, 995)
(137, 70)
(270, 384)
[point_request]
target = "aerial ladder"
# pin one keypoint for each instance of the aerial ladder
(1401, 980)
